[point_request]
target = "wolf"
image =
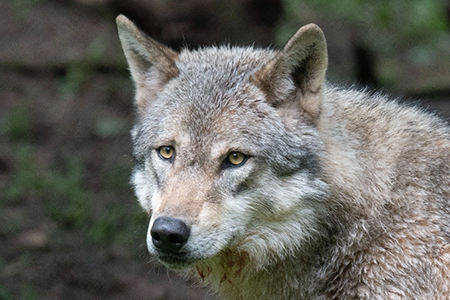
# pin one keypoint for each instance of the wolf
(264, 181)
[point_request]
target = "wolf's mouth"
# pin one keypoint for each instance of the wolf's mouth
(175, 261)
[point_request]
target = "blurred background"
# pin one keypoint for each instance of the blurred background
(70, 227)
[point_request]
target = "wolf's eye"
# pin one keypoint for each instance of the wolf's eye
(236, 158)
(166, 152)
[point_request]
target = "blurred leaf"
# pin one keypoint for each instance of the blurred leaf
(76, 75)
(117, 178)
(69, 201)
(5, 294)
(29, 293)
(383, 21)
(23, 7)
(18, 124)
(109, 127)
(95, 50)
(25, 178)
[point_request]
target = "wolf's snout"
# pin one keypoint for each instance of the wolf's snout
(169, 233)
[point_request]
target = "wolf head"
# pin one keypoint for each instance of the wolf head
(227, 153)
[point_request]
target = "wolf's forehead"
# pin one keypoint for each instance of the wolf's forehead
(214, 79)
(227, 55)
(221, 66)
(210, 99)
(211, 83)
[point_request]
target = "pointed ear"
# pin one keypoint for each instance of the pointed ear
(151, 64)
(303, 62)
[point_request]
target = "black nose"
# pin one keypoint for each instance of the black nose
(169, 233)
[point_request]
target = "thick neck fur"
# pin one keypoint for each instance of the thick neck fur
(385, 166)
(366, 137)
(233, 275)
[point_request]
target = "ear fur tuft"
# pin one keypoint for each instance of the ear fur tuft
(151, 63)
(303, 61)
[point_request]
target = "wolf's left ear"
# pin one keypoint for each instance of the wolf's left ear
(304, 62)
(151, 63)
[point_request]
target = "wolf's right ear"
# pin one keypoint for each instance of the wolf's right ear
(151, 63)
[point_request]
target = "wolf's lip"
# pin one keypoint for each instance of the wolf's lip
(174, 261)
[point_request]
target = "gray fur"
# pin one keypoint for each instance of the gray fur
(345, 194)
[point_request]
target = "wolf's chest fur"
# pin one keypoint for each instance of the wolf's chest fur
(266, 182)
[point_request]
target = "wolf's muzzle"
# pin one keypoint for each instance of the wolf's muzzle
(169, 234)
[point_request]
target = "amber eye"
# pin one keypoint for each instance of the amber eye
(166, 152)
(236, 158)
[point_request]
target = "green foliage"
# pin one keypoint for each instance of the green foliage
(384, 22)
(29, 293)
(12, 224)
(110, 127)
(5, 294)
(80, 72)
(17, 124)
(68, 200)
(95, 51)
(26, 178)
(23, 7)
(76, 75)
(118, 224)
(116, 179)
(401, 35)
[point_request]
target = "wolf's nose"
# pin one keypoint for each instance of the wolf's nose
(169, 233)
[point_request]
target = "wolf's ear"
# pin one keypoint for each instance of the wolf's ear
(303, 61)
(151, 63)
